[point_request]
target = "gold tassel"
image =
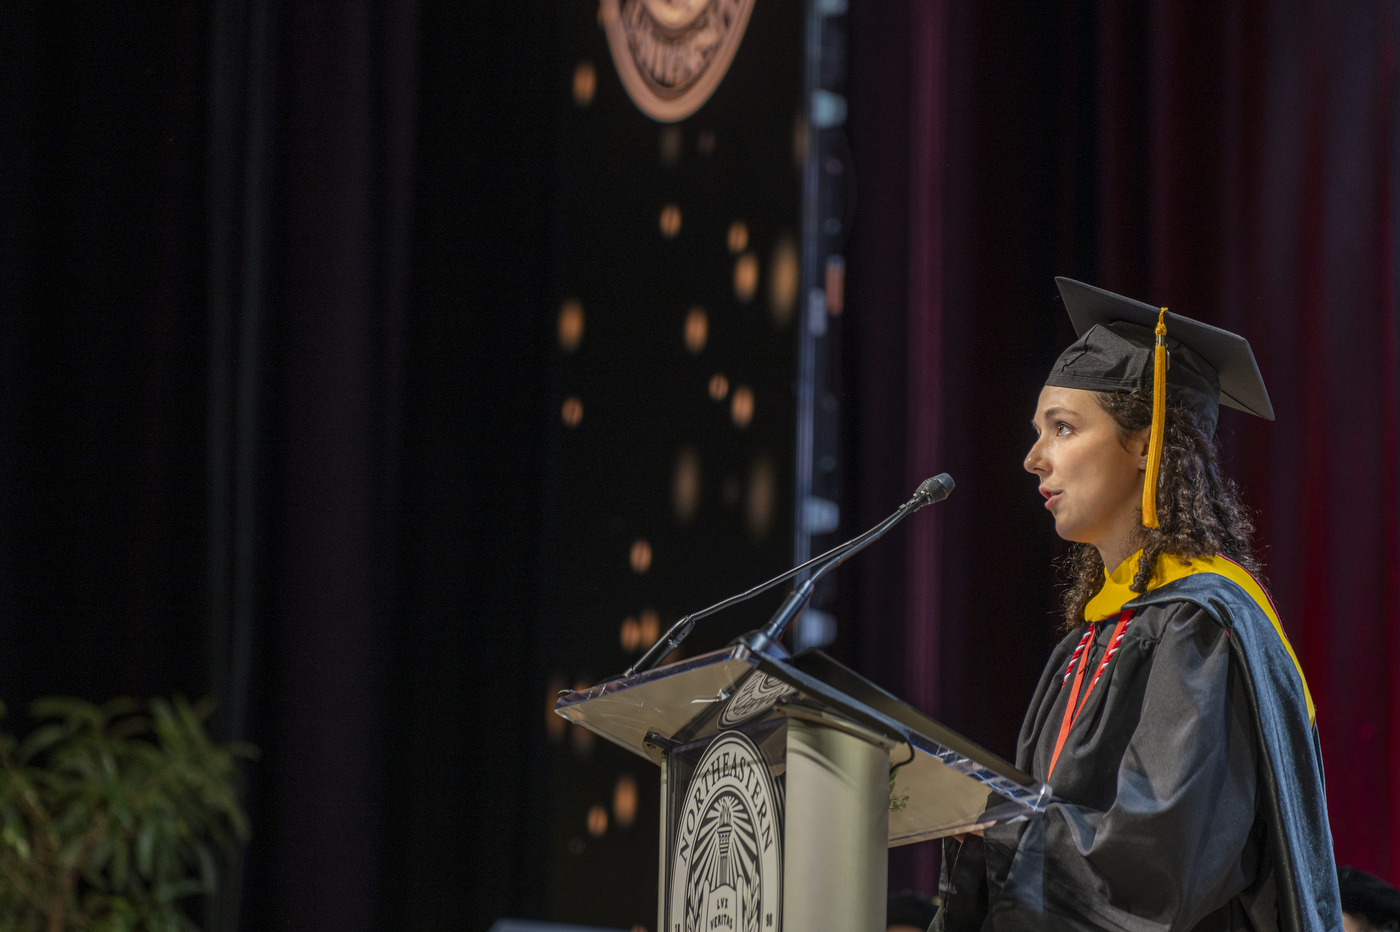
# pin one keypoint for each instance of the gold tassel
(1159, 423)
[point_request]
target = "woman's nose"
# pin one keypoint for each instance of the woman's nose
(1033, 462)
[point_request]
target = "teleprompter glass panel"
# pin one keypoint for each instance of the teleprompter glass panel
(941, 782)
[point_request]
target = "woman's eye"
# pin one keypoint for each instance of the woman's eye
(1061, 429)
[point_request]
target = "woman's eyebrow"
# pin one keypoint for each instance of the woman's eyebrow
(1057, 411)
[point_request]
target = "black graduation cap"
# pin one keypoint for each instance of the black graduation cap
(1117, 351)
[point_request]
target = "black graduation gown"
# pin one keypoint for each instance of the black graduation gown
(1188, 794)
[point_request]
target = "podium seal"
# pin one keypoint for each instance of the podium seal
(758, 694)
(672, 54)
(726, 875)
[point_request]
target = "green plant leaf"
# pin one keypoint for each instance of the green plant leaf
(137, 801)
(120, 870)
(145, 846)
(40, 740)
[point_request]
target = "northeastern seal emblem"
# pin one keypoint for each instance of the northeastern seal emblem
(672, 54)
(758, 694)
(726, 875)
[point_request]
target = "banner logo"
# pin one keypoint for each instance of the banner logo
(672, 54)
(726, 875)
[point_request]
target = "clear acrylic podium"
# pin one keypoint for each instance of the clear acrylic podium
(783, 782)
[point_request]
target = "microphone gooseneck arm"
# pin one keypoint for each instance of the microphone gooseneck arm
(681, 629)
(930, 490)
(766, 640)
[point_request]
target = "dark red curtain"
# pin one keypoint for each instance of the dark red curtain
(1234, 161)
(1254, 183)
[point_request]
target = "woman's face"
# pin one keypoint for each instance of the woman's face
(1092, 483)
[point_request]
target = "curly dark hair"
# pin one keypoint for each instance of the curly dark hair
(1199, 511)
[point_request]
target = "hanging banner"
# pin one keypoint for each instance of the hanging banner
(672, 54)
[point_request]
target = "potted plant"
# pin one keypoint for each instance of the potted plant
(115, 817)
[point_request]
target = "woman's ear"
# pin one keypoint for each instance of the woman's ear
(1142, 440)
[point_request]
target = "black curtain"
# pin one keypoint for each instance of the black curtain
(467, 806)
(271, 363)
(312, 109)
(102, 350)
(379, 235)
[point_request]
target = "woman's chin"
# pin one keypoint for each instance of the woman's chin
(1066, 529)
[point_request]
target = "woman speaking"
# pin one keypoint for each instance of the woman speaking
(1172, 722)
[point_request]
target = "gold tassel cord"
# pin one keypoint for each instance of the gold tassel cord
(1159, 423)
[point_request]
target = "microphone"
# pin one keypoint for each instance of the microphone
(931, 490)
(934, 489)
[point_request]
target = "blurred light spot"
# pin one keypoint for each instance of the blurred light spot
(649, 627)
(685, 485)
(738, 236)
(581, 739)
(828, 109)
(758, 508)
(697, 329)
(670, 222)
(835, 285)
(570, 325)
(671, 145)
(741, 408)
(816, 312)
(572, 411)
(820, 515)
(554, 724)
(782, 280)
(706, 142)
(639, 929)
(814, 628)
(630, 637)
(799, 140)
(585, 83)
(597, 821)
(625, 801)
(719, 387)
(746, 277)
(640, 557)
